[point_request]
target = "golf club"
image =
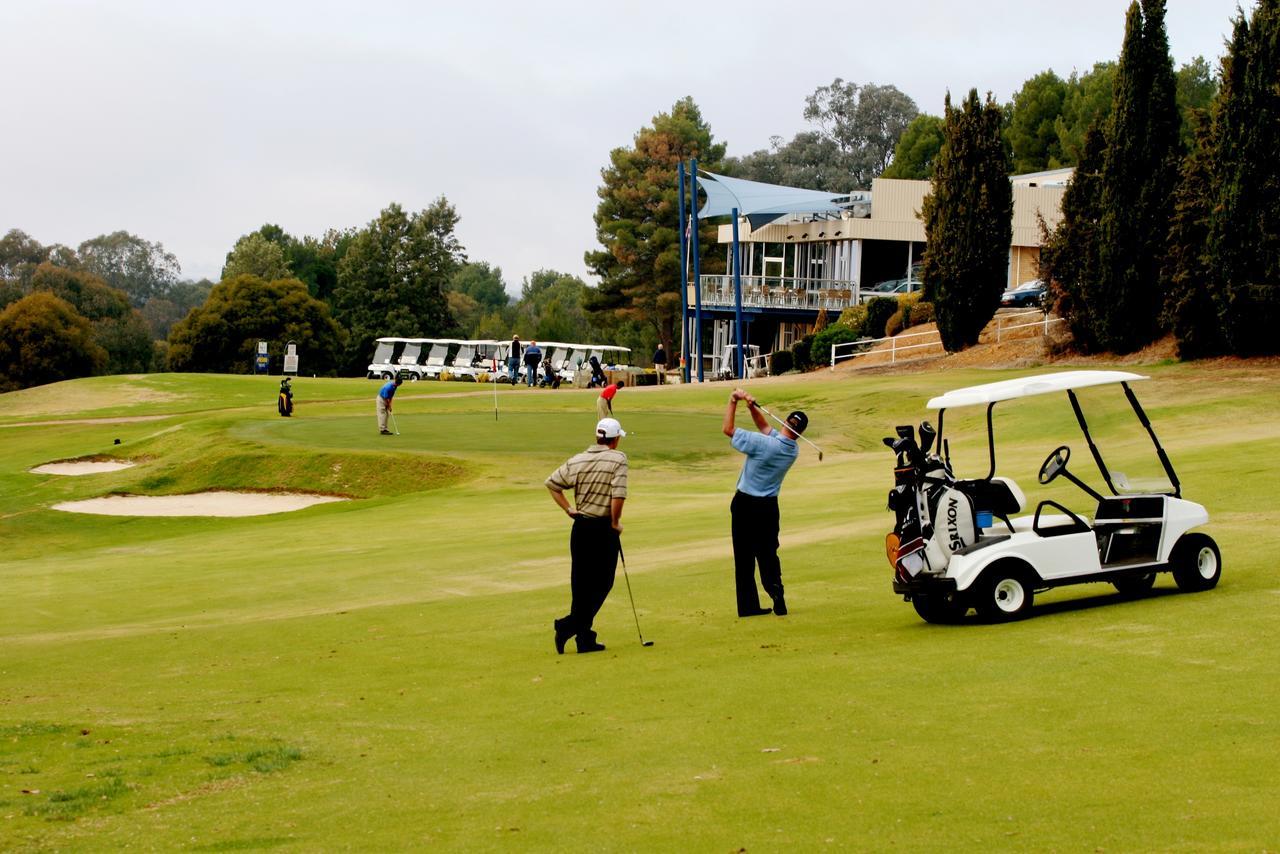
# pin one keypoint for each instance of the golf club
(789, 427)
(394, 428)
(643, 642)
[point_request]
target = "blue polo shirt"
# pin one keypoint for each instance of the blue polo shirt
(388, 390)
(769, 456)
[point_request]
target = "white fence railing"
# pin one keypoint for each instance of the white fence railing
(868, 346)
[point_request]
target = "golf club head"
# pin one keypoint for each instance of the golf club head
(927, 437)
(647, 643)
(906, 431)
(889, 441)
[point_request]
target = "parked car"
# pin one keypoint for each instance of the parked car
(1026, 294)
(892, 288)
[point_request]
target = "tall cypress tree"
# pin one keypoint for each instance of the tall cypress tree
(1190, 311)
(1069, 256)
(968, 222)
(1244, 227)
(1139, 174)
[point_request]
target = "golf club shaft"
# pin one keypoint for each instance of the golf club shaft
(627, 577)
(788, 426)
(394, 427)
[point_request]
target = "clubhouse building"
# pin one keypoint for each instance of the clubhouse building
(805, 251)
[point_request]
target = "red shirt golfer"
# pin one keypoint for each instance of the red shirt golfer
(604, 403)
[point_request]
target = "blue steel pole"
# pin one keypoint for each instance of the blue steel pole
(737, 298)
(697, 269)
(684, 283)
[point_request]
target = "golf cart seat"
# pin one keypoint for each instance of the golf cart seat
(1000, 495)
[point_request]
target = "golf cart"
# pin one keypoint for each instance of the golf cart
(948, 553)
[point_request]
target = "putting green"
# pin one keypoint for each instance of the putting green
(379, 673)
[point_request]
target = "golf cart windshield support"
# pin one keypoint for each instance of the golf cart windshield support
(1146, 422)
(991, 439)
(1088, 437)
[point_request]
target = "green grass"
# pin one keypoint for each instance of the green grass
(379, 674)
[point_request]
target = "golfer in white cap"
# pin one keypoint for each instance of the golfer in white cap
(598, 478)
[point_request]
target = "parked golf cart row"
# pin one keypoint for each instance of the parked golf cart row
(957, 544)
(472, 359)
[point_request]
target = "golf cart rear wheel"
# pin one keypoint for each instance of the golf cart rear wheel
(1135, 585)
(937, 608)
(1196, 563)
(1005, 594)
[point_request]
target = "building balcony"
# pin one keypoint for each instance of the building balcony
(779, 292)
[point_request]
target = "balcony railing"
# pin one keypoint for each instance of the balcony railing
(779, 292)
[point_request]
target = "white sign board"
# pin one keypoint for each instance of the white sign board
(262, 348)
(292, 349)
(291, 364)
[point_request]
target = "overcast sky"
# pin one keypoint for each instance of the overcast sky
(192, 123)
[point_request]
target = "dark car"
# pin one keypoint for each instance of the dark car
(1026, 294)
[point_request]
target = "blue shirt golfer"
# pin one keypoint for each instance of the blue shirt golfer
(754, 510)
(385, 394)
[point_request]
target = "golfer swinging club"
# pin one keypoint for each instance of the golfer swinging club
(754, 509)
(598, 478)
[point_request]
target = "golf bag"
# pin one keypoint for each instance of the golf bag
(598, 378)
(284, 403)
(933, 515)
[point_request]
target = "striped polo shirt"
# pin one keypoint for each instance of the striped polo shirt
(596, 476)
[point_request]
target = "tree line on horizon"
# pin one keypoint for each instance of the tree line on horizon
(1160, 231)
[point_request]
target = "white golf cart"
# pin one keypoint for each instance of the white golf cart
(949, 554)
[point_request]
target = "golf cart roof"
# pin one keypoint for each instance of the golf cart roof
(1028, 386)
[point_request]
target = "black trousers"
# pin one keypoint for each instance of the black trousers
(755, 541)
(593, 547)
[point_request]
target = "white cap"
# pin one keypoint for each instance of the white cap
(609, 428)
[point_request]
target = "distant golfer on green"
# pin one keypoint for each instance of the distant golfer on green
(385, 394)
(598, 478)
(754, 509)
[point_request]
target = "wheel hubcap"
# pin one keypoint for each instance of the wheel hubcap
(1009, 595)
(1206, 563)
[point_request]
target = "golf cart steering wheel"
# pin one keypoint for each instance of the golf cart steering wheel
(1054, 464)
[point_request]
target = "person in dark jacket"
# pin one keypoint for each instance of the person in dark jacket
(532, 359)
(660, 363)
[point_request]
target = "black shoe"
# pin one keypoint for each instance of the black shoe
(562, 636)
(385, 432)
(590, 646)
(758, 612)
(780, 605)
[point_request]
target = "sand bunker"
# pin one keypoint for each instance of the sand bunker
(77, 467)
(196, 504)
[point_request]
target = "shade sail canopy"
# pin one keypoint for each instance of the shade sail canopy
(761, 202)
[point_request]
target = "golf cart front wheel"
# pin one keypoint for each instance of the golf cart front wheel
(1196, 563)
(1135, 585)
(1005, 594)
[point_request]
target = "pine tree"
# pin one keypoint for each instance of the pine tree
(1139, 174)
(637, 223)
(1244, 227)
(968, 222)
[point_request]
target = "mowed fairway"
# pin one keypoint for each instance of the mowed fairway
(379, 674)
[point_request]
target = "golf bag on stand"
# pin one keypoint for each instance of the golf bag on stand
(284, 403)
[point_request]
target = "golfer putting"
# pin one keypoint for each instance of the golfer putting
(754, 509)
(385, 395)
(598, 478)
